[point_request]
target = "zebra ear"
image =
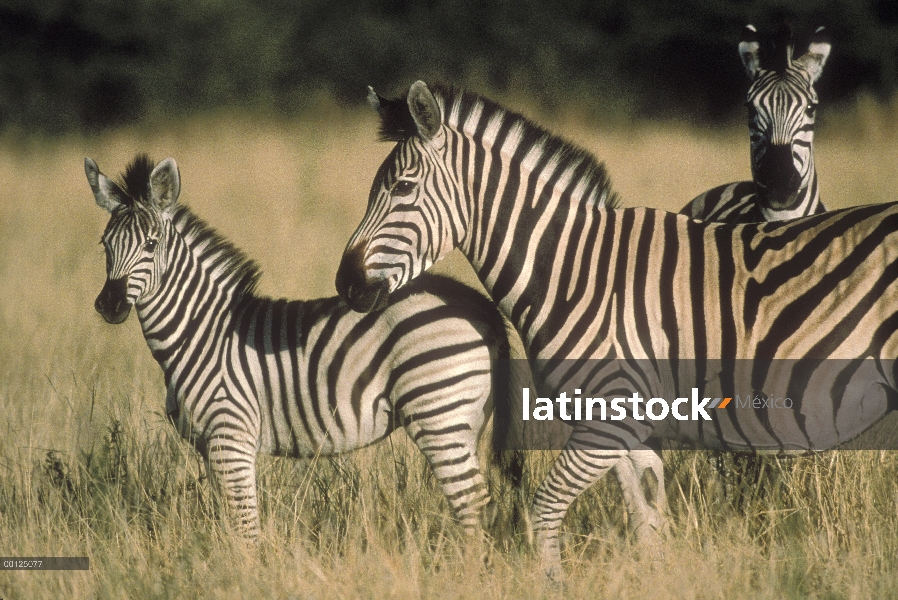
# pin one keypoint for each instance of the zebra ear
(425, 110)
(108, 195)
(818, 51)
(749, 50)
(374, 99)
(165, 184)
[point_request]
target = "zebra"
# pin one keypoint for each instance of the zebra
(608, 288)
(782, 107)
(247, 374)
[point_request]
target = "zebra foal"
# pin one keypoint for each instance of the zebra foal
(247, 374)
(782, 108)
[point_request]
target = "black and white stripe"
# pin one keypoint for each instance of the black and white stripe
(601, 286)
(247, 374)
(782, 107)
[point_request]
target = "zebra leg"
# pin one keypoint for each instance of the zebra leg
(641, 475)
(457, 469)
(232, 464)
(572, 472)
(449, 443)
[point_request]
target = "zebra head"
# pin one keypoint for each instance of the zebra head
(414, 216)
(782, 105)
(136, 236)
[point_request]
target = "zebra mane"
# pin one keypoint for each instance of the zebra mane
(783, 42)
(396, 122)
(212, 248)
(135, 181)
(398, 125)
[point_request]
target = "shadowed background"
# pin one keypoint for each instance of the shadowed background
(90, 64)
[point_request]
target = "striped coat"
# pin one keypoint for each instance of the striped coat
(247, 374)
(610, 299)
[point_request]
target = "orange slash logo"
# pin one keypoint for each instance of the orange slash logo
(720, 402)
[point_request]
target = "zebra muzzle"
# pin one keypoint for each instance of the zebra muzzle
(112, 303)
(776, 198)
(360, 293)
(777, 180)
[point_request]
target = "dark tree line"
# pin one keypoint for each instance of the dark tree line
(87, 64)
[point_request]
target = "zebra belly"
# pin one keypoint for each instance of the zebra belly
(306, 401)
(834, 402)
(328, 421)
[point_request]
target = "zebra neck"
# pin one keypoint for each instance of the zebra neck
(530, 196)
(531, 271)
(195, 298)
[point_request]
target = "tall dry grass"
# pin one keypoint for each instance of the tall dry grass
(88, 466)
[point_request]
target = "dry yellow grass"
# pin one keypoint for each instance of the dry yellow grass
(89, 467)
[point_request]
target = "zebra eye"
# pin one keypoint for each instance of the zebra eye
(150, 245)
(402, 188)
(811, 110)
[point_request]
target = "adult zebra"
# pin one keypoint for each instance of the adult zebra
(246, 374)
(635, 299)
(782, 107)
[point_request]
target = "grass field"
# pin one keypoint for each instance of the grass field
(89, 467)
